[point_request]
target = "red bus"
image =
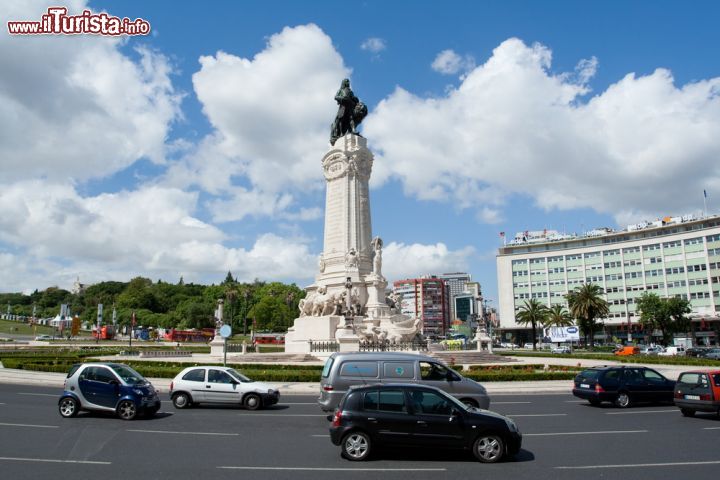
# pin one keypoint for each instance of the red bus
(269, 338)
(203, 335)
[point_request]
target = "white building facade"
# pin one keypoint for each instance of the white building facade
(678, 256)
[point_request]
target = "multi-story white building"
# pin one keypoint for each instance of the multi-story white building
(678, 256)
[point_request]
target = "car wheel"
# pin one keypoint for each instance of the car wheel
(127, 410)
(68, 407)
(470, 402)
(252, 401)
(622, 400)
(181, 400)
(489, 448)
(687, 412)
(594, 402)
(356, 446)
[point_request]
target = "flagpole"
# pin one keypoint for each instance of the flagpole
(705, 202)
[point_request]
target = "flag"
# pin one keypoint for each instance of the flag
(502, 234)
(705, 193)
(133, 319)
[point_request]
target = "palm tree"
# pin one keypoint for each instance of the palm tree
(586, 304)
(534, 313)
(558, 316)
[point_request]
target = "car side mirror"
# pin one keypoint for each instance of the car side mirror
(114, 382)
(329, 418)
(451, 377)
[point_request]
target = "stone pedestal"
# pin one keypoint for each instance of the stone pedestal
(318, 329)
(217, 345)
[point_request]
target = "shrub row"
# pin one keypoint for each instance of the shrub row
(528, 367)
(515, 376)
(648, 359)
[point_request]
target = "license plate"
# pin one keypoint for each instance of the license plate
(692, 397)
(584, 385)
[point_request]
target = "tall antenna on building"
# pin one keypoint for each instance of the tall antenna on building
(704, 203)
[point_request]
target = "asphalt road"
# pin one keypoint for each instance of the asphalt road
(564, 438)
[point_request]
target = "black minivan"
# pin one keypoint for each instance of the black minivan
(407, 415)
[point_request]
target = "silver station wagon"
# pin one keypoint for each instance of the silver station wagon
(343, 370)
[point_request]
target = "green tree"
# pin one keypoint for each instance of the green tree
(558, 316)
(587, 304)
(533, 313)
(664, 314)
(139, 295)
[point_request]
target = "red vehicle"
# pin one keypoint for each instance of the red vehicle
(203, 335)
(106, 332)
(698, 391)
(270, 338)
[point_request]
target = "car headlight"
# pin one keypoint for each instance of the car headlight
(511, 425)
(137, 391)
(271, 391)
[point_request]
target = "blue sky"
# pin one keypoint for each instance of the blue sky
(195, 150)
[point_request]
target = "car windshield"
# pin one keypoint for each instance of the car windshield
(128, 375)
(238, 376)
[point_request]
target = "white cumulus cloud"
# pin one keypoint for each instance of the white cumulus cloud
(374, 45)
(448, 62)
(402, 261)
(75, 106)
(512, 126)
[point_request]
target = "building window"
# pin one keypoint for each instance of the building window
(698, 281)
(573, 257)
(592, 254)
(713, 238)
(631, 250)
(694, 241)
(674, 244)
(633, 274)
(697, 268)
(653, 273)
(676, 284)
(630, 263)
(674, 270)
(612, 264)
(650, 248)
(610, 253)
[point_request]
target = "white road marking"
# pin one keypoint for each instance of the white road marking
(27, 425)
(53, 460)
(184, 433)
(575, 401)
(583, 433)
(635, 465)
(538, 415)
(674, 410)
(330, 469)
(711, 428)
(323, 436)
(289, 403)
(40, 394)
(508, 403)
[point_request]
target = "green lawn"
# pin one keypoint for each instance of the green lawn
(18, 328)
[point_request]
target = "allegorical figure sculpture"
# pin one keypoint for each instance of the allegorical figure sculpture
(351, 112)
(377, 245)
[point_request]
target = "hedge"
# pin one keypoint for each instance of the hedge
(646, 359)
(514, 376)
(524, 367)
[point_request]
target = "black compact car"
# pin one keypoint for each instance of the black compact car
(623, 385)
(410, 415)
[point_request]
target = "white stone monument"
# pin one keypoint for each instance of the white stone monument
(346, 303)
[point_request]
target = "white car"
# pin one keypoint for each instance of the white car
(220, 385)
(672, 351)
(43, 338)
(562, 350)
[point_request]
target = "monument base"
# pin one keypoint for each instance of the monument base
(317, 329)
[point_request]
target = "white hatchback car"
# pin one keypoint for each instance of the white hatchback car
(220, 385)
